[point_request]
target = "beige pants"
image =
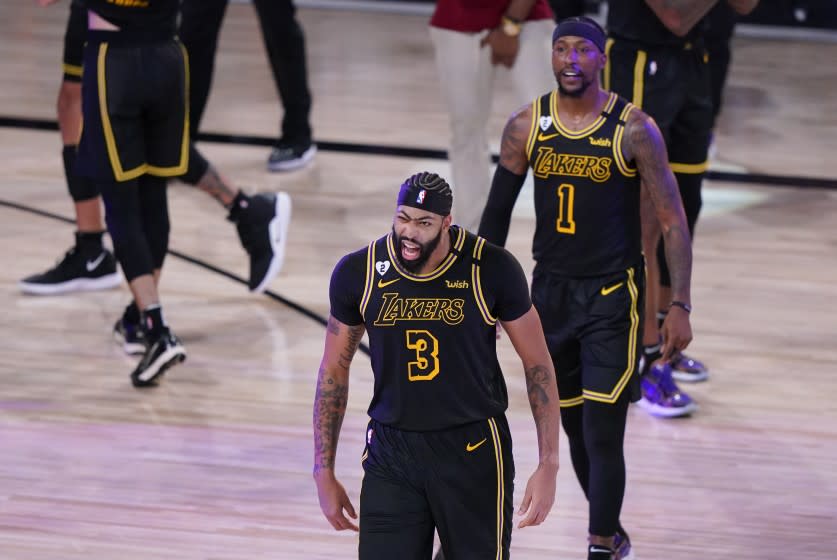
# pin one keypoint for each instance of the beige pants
(467, 80)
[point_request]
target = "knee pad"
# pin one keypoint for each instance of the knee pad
(81, 188)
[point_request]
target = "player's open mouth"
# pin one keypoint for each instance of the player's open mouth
(410, 250)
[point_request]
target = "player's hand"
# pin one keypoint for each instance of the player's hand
(676, 331)
(503, 47)
(539, 496)
(334, 501)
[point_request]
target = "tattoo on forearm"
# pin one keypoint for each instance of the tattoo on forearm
(329, 409)
(678, 249)
(212, 184)
(346, 355)
(538, 378)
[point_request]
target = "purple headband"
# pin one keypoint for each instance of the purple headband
(580, 27)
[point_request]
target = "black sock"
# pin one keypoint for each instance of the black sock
(239, 203)
(131, 315)
(152, 322)
(650, 354)
(89, 242)
(599, 552)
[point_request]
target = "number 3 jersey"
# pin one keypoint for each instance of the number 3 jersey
(586, 194)
(432, 336)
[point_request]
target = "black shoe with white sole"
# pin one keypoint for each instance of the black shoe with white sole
(75, 272)
(160, 355)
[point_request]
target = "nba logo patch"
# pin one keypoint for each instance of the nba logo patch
(420, 197)
(369, 433)
(545, 123)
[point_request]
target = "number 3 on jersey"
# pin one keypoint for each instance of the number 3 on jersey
(566, 196)
(426, 346)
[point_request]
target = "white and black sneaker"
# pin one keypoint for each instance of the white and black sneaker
(159, 356)
(130, 336)
(75, 272)
(262, 223)
(287, 157)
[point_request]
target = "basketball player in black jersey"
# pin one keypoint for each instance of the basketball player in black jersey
(590, 151)
(261, 219)
(658, 60)
(438, 448)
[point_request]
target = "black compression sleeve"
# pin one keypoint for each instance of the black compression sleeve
(505, 187)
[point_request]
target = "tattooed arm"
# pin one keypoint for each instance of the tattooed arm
(645, 145)
(508, 178)
(526, 334)
(329, 408)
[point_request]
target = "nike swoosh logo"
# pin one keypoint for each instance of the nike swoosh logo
(606, 291)
(91, 265)
(470, 447)
(542, 138)
(597, 549)
(382, 284)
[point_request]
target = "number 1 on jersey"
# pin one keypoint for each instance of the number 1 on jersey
(566, 196)
(426, 365)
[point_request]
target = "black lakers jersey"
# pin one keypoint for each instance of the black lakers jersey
(432, 336)
(636, 21)
(586, 194)
(138, 15)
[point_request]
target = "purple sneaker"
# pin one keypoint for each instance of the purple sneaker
(661, 396)
(688, 370)
(622, 547)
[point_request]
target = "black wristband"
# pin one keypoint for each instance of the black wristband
(682, 305)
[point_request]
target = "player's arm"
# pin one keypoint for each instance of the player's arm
(505, 46)
(332, 394)
(645, 145)
(508, 178)
(680, 16)
(526, 335)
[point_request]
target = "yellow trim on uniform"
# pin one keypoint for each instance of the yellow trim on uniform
(180, 168)
(639, 77)
(498, 458)
(370, 279)
(606, 76)
(119, 173)
(72, 69)
(612, 397)
(618, 156)
(693, 168)
(441, 269)
(110, 141)
(575, 401)
(476, 284)
(589, 129)
(533, 127)
(365, 455)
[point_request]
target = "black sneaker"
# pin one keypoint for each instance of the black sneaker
(165, 352)
(287, 157)
(598, 552)
(262, 227)
(75, 272)
(130, 336)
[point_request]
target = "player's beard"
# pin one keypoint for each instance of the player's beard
(574, 93)
(424, 252)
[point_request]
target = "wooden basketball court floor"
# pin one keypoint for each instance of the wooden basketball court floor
(215, 463)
